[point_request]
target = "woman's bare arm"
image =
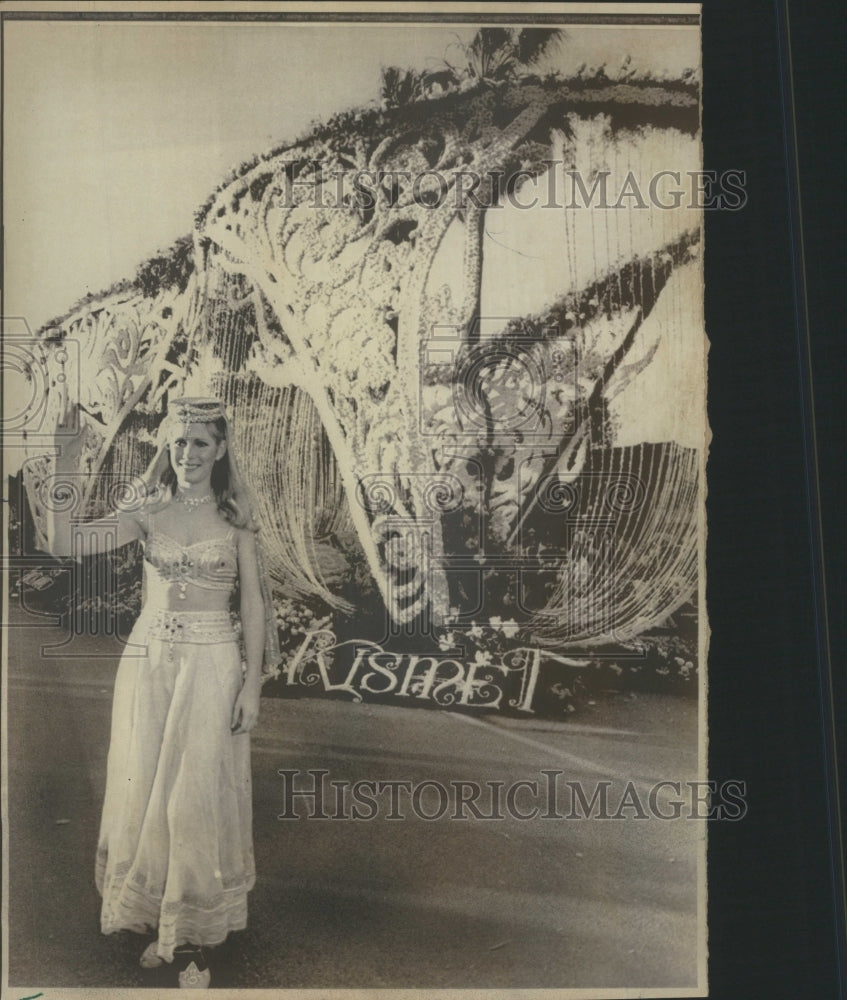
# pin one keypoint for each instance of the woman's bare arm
(70, 538)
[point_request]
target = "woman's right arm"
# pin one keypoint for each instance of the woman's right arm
(67, 538)
(74, 539)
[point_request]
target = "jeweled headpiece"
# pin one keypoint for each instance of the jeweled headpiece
(195, 409)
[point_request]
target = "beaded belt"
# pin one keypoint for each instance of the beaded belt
(199, 627)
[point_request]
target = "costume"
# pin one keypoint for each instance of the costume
(175, 850)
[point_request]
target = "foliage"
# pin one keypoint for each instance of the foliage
(659, 663)
(532, 43)
(294, 619)
(399, 87)
(170, 269)
(495, 55)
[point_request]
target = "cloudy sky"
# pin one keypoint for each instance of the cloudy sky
(116, 132)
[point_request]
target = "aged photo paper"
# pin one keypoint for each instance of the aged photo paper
(354, 356)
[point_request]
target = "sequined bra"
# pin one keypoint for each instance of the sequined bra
(211, 564)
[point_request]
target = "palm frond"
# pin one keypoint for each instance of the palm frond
(490, 55)
(533, 43)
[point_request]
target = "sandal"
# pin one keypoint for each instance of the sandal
(192, 978)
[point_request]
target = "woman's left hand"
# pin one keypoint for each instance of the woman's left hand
(245, 711)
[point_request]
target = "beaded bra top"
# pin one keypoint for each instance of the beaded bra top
(211, 564)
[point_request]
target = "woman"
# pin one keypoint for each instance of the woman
(175, 850)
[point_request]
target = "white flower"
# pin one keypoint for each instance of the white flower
(482, 658)
(475, 631)
(510, 628)
(446, 642)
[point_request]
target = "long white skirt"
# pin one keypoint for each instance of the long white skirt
(175, 851)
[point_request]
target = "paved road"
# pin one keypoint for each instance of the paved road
(379, 903)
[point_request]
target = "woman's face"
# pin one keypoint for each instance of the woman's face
(194, 451)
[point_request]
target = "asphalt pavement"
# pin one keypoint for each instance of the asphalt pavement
(396, 900)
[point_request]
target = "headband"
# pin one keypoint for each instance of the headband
(196, 409)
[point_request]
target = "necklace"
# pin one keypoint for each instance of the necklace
(192, 503)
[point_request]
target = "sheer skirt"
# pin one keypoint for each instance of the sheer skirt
(175, 851)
